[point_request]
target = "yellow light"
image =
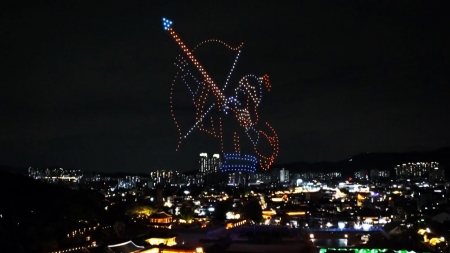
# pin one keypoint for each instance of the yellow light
(271, 212)
(295, 213)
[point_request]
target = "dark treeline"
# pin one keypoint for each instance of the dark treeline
(36, 216)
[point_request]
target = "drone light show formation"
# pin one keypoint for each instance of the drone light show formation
(240, 103)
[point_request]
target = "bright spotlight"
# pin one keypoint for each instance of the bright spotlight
(341, 225)
(311, 236)
(346, 236)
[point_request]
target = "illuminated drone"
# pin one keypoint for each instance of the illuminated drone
(243, 102)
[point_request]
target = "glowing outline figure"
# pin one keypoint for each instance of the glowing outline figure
(225, 104)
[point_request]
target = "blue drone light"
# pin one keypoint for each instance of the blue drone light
(166, 23)
(235, 162)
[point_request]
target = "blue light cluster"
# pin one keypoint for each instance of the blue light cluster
(167, 23)
(228, 101)
(235, 162)
(242, 157)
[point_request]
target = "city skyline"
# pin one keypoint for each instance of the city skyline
(88, 87)
(348, 166)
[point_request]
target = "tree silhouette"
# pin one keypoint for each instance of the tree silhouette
(140, 210)
(119, 228)
(220, 214)
(49, 213)
(253, 211)
(186, 213)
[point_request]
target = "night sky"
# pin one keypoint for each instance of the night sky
(86, 85)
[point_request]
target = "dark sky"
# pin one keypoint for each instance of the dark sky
(86, 84)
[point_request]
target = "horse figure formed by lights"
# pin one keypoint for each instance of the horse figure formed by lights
(243, 102)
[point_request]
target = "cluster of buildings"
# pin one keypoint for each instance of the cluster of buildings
(417, 197)
(55, 174)
(419, 170)
(212, 171)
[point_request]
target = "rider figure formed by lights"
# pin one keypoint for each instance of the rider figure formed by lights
(237, 102)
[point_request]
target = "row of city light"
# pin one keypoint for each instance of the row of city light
(242, 156)
(235, 224)
(83, 230)
(364, 250)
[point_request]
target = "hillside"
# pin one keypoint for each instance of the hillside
(382, 161)
(35, 213)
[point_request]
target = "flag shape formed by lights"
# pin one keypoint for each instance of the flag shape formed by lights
(241, 109)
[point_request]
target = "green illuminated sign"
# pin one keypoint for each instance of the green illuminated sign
(324, 250)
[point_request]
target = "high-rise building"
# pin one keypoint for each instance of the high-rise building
(437, 174)
(214, 164)
(284, 176)
(209, 168)
(416, 169)
(164, 177)
(237, 178)
(203, 163)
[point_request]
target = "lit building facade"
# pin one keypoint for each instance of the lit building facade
(53, 175)
(416, 169)
(160, 220)
(164, 177)
(362, 175)
(307, 176)
(209, 169)
(237, 178)
(203, 162)
(437, 174)
(261, 178)
(374, 174)
(284, 176)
